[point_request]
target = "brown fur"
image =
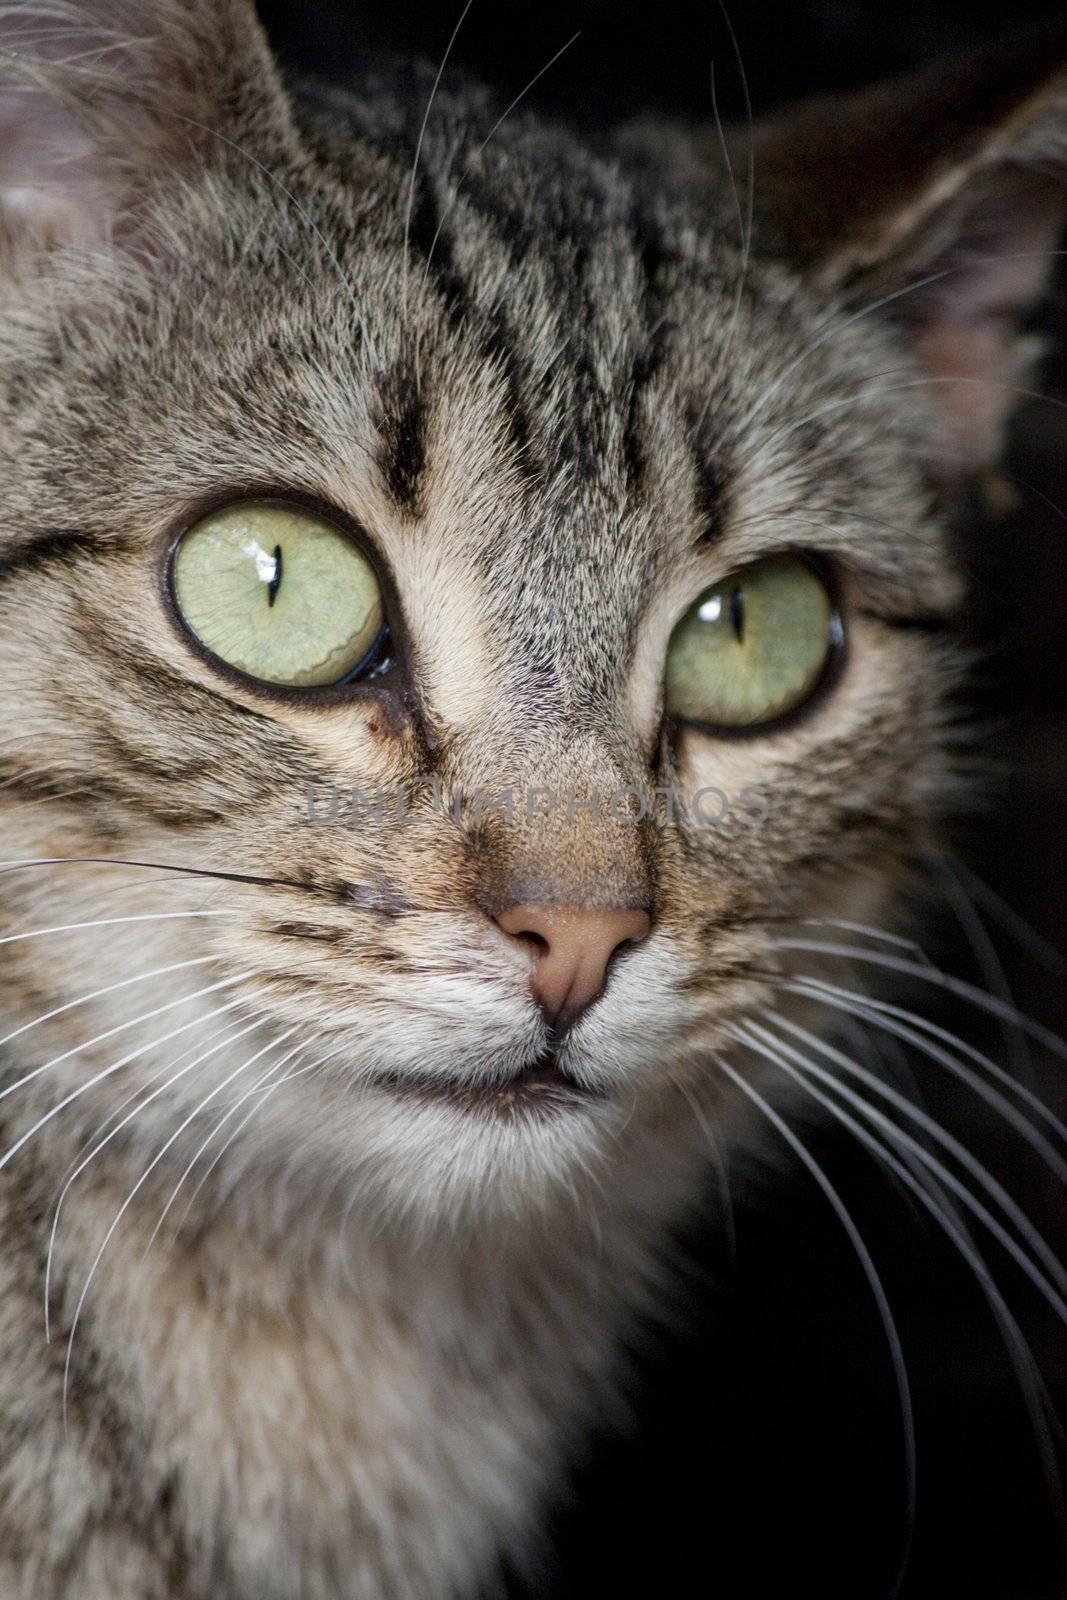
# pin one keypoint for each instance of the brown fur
(560, 399)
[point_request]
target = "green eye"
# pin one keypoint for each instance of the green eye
(753, 648)
(279, 593)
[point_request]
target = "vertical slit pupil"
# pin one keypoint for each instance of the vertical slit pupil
(276, 577)
(737, 614)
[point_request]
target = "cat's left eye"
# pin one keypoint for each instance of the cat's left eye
(279, 593)
(754, 648)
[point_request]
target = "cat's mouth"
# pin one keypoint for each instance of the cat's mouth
(542, 1086)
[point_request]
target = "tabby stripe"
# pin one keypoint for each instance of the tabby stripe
(496, 341)
(58, 545)
(920, 622)
(402, 425)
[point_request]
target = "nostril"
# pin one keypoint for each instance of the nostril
(619, 950)
(574, 948)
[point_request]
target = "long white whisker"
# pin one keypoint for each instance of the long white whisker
(304, 215)
(120, 1027)
(744, 219)
(719, 1161)
(829, 326)
(949, 1179)
(1020, 930)
(141, 977)
(895, 1020)
(418, 146)
(940, 1135)
(112, 1117)
(157, 1158)
(99, 1077)
(1020, 1062)
(127, 1099)
(869, 391)
(264, 1078)
(301, 211)
(943, 980)
(884, 1045)
(878, 934)
(265, 1090)
(1034, 1391)
(111, 922)
(870, 1271)
(172, 1078)
(497, 125)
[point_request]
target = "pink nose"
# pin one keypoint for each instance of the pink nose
(572, 947)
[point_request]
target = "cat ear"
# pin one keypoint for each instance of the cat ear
(946, 191)
(98, 97)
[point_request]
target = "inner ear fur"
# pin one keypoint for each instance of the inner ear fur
(99, 98)
(943, 193)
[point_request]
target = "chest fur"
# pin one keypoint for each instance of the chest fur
(373, 1431)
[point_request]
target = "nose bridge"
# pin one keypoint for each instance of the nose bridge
(565, 828)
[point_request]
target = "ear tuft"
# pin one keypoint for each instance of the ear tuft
(98, 97)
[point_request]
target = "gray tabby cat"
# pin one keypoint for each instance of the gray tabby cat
(528, 491)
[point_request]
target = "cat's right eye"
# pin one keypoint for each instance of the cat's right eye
(279, 593)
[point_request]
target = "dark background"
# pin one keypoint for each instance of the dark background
(765, 1454)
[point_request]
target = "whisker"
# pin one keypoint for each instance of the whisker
(922, 1119)
(153, 866)
(830, 324)
(111, 922)
(1034, 1392)
(1020, 930)
(141, 977)
(123, 888)
(419, 143)
(99, 1077)
(157, 1158)
(265, 1090)
(76, 66)
(943, 980)
(945, 1176)
(109, 1033)
(305, 216)
(719, 1162)
(497, 125)
(741, 224)
(304, 887)
(878, 934)
(870, 391)
(265, 1077)
(127, 1099)
(883, 1015)
(172, 1078)
(744, 219)
(974, 929)
(900, 1371)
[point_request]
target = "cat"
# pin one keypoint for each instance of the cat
(374, 441)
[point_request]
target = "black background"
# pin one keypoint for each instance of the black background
(765, 1456)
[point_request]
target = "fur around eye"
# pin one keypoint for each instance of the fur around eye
(753, 648)
(279, 593)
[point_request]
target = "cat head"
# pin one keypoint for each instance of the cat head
(519, 576)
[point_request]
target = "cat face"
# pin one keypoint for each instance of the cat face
(545, 402)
